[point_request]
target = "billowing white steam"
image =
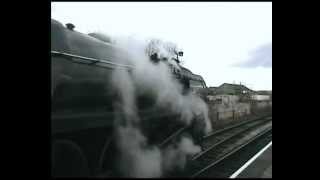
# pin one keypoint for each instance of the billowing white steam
(158, 80)
(137, 158)
(175, 156)
(126, 91)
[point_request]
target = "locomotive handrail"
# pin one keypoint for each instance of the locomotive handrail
(93, 60)
(112, 64)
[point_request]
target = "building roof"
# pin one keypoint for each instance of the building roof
(227, 88)
(236, 86)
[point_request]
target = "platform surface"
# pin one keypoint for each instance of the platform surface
(261, 167)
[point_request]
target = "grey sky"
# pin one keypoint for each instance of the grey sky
(260, 57)
(213, 35)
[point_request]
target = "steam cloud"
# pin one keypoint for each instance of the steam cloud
(137, 158)
(175, 157)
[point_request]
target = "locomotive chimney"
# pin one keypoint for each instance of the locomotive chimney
(70, 26)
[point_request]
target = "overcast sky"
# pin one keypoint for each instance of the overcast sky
(224, 42)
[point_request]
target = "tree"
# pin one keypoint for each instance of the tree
(153, 47)
(161, 49)
(171, 48)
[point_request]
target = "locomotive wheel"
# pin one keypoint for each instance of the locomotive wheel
(68, 160)
(107, 158)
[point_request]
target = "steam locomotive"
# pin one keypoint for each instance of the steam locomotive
(82, 109)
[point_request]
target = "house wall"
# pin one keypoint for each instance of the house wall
(263, 104)
(227, 100)
(230, 108)
(261, 97)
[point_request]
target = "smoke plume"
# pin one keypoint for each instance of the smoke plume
(138, 158)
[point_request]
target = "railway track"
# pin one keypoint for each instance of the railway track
(212, 140)
(216, 146)
(180, 131)
(232, 161)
